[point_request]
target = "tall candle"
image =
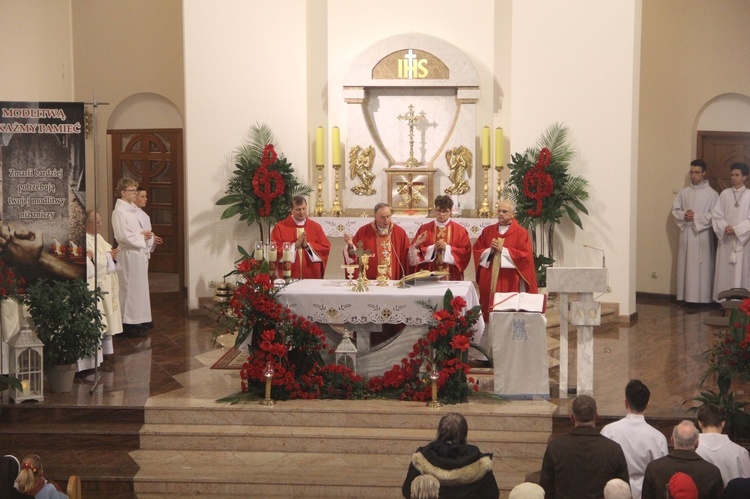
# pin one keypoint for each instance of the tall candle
(499, 146)
(336, 145)
(485, 146)
(319, 146)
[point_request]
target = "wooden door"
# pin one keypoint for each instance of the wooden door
(154, 159)
(719, 150)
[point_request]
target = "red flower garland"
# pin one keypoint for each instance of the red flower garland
(267, 184)
(537, 183)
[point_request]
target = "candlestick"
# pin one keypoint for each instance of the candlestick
(485, 146)
(336, 145)
(434, 376)
(268, 373)
(499, 152)
(319, 146)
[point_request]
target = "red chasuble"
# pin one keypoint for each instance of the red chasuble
(303, 267)
(509, 280)
(456, 237)
(395, 241)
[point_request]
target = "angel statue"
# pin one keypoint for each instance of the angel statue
(360, 163)
(459, 161)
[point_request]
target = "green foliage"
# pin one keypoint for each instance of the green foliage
(242, 200)
(738, 421)
(10, 381)
(569, 191)
(67, 319)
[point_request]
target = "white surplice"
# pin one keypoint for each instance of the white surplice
(145, 221)
(732, 460)
(133, 260)
(106, 275)
(732, 257)
(695, 256)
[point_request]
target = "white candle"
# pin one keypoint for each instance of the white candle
(288, 255)
(258, 254)
(319, 146)
(25, 387)
(336, 144)
(499, 153)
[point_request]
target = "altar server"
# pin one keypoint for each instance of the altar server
(731, 223)
(133, 258)
(442, 244)
(387, 242)
(102, 272)
(503, 258)
(695, 257)
(310, 246)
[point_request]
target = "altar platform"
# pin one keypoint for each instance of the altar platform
(147, 427)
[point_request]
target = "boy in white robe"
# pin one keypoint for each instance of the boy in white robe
(692, 210)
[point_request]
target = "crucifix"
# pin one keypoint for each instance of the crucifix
(412, 119)
(411, 192)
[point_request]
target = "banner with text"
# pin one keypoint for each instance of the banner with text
(42, 157)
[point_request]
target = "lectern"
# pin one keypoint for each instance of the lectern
(584, 313)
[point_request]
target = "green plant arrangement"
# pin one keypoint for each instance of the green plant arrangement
(66, 318)
(729, 359)
(544, 192)
(261, 188)
(291, 346)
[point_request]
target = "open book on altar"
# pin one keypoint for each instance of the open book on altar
(519, 302)
(422, 275)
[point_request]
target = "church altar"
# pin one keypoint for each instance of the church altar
(338, 226)
(331, 302)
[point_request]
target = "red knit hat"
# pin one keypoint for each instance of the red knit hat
(681, 486)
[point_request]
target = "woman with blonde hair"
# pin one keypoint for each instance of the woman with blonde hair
(31, 481)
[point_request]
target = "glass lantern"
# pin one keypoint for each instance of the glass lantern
(346, 352)
(27, 365)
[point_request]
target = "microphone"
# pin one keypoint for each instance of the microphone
(597, 249)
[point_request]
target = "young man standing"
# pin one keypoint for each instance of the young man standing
(731, 223)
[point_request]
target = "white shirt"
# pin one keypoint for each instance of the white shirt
(641, 443)
(732, 460)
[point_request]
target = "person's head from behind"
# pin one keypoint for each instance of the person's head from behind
(712, 417)
(583, 410)
(685, 436)
(527, 490)
(637, 395)
(617, 488)
(425, 487)
(31, 468)
(452, 428)
(681, 486)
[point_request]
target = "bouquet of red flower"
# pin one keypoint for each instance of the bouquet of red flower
(730, 355)
(444, 348)
(11, 285)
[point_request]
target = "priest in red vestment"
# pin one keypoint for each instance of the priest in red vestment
(442, 244)
(310, 245)
(387, 242)
(504, 258)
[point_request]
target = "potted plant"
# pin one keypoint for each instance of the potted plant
(69, 324)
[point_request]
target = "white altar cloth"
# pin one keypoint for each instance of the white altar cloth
(338, 226)
(519, 354)
(329, 301)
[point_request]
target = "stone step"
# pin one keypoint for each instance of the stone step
(481, 415)
(284, 474)
(328, 439)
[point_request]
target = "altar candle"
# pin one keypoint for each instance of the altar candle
(258, 253)
(336, 144)
(273, 254)
(499, 146)
(25, 387)
(485, 146)
(288, 254)
(319, 146)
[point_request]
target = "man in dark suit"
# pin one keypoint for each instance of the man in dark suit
(578, 465)
(706, 476)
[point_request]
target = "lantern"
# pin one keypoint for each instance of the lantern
(346, 352)
(27, 364)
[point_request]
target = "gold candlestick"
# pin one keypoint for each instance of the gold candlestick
(499, 170)
(484, 211)
(382, 277)
(434, 376)
(336, 210)
(268, 373)
(320, 210)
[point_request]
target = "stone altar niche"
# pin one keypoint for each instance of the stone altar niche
(441, 84)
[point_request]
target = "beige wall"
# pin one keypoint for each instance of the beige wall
(37, 60)
(693, 51)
